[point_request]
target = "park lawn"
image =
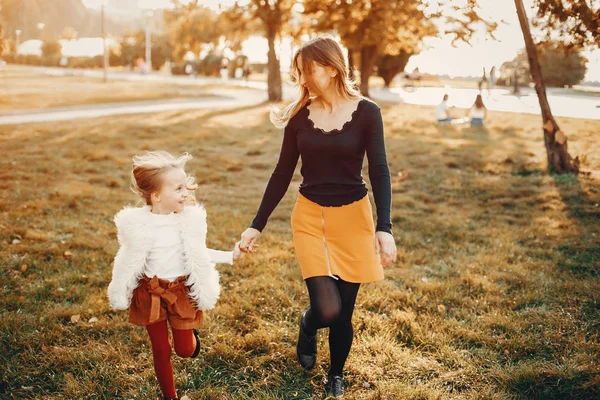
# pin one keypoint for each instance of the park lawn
(30, 90)
(495, 294)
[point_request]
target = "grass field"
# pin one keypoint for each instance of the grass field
(25, 89)
(495, 294)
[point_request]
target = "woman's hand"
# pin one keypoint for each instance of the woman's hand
(386, 245)
(247, 244)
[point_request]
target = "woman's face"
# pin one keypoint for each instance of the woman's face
(320, 79)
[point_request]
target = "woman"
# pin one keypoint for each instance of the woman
(478, 112)
(332, 127)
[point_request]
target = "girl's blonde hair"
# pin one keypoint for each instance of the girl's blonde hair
(148, 169)
(326, 51)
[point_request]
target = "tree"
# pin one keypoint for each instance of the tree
(133, 46)
(51, 48)
(561, 65)
(575, 19)
(1, 40)
(388, 66)
(559, 159)
(390, 27)
(369, 28)
(192, 26)
(69, 33)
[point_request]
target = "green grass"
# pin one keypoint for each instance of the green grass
(495, 294)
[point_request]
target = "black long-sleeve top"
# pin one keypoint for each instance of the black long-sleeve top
(332, 164)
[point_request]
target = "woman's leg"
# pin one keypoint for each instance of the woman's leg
(325, 304)
(161, 353)
(341, 332)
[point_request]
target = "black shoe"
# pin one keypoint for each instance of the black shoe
(306, 349)
(334, 386)
(197, 350)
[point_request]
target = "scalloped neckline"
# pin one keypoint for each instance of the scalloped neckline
(333, 131)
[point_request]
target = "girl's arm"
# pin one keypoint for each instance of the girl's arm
(220, 257)
(226, 257)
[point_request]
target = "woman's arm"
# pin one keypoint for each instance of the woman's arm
(280, 178)
(379, 172)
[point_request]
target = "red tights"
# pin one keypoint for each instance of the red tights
(185, 344)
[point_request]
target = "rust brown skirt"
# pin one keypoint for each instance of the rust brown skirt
(336, 241)
(157, 300)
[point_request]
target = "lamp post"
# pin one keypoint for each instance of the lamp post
(149, 16)
(104, 53)
(40, 27)
(18, 33)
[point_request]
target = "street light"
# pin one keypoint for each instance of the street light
(149, 16)
(104, 53)
(18, 33)
(41, 26)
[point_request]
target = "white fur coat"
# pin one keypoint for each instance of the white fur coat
(134, 237)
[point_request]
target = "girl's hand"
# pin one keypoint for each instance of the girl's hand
(238, 254)
(385, 243)
(247, 244)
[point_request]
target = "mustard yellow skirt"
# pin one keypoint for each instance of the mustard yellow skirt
(336, 241)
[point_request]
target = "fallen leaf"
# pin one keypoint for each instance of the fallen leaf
(75, 318)
(23, 268)
(441, 309)
(35, 235)
(92, 320)
(68, 254)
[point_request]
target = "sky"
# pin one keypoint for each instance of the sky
(439, 56)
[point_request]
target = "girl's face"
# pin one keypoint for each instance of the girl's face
(320, 80)
(173, 193)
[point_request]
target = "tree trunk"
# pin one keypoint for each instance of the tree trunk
(350, 65)
(273, 70)
(559, 160)
(368, 57)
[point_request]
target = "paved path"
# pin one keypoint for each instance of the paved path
(228, 98)
(564, 102)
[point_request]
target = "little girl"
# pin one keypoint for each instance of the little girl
(163, 270)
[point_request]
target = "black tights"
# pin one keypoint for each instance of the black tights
(332, 305)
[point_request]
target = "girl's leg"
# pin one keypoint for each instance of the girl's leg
(185, 342)
(341, 332)
(161, 353)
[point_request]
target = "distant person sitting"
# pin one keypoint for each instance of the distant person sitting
(441, 112)
(478, 112)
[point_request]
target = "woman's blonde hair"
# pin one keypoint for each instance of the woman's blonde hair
(146, 175)
(326, 51)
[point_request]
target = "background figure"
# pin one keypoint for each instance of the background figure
(441, 112)
(478, 112)
(492, 77)
(483, 80)
(246, 69)
(224, 70)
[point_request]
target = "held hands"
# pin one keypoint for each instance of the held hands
(237, 253)
(248, 241)
(385, 245)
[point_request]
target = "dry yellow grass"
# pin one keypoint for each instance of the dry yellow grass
(495, 295)
(23, 89)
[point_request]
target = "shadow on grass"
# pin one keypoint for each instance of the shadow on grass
(582, 258)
